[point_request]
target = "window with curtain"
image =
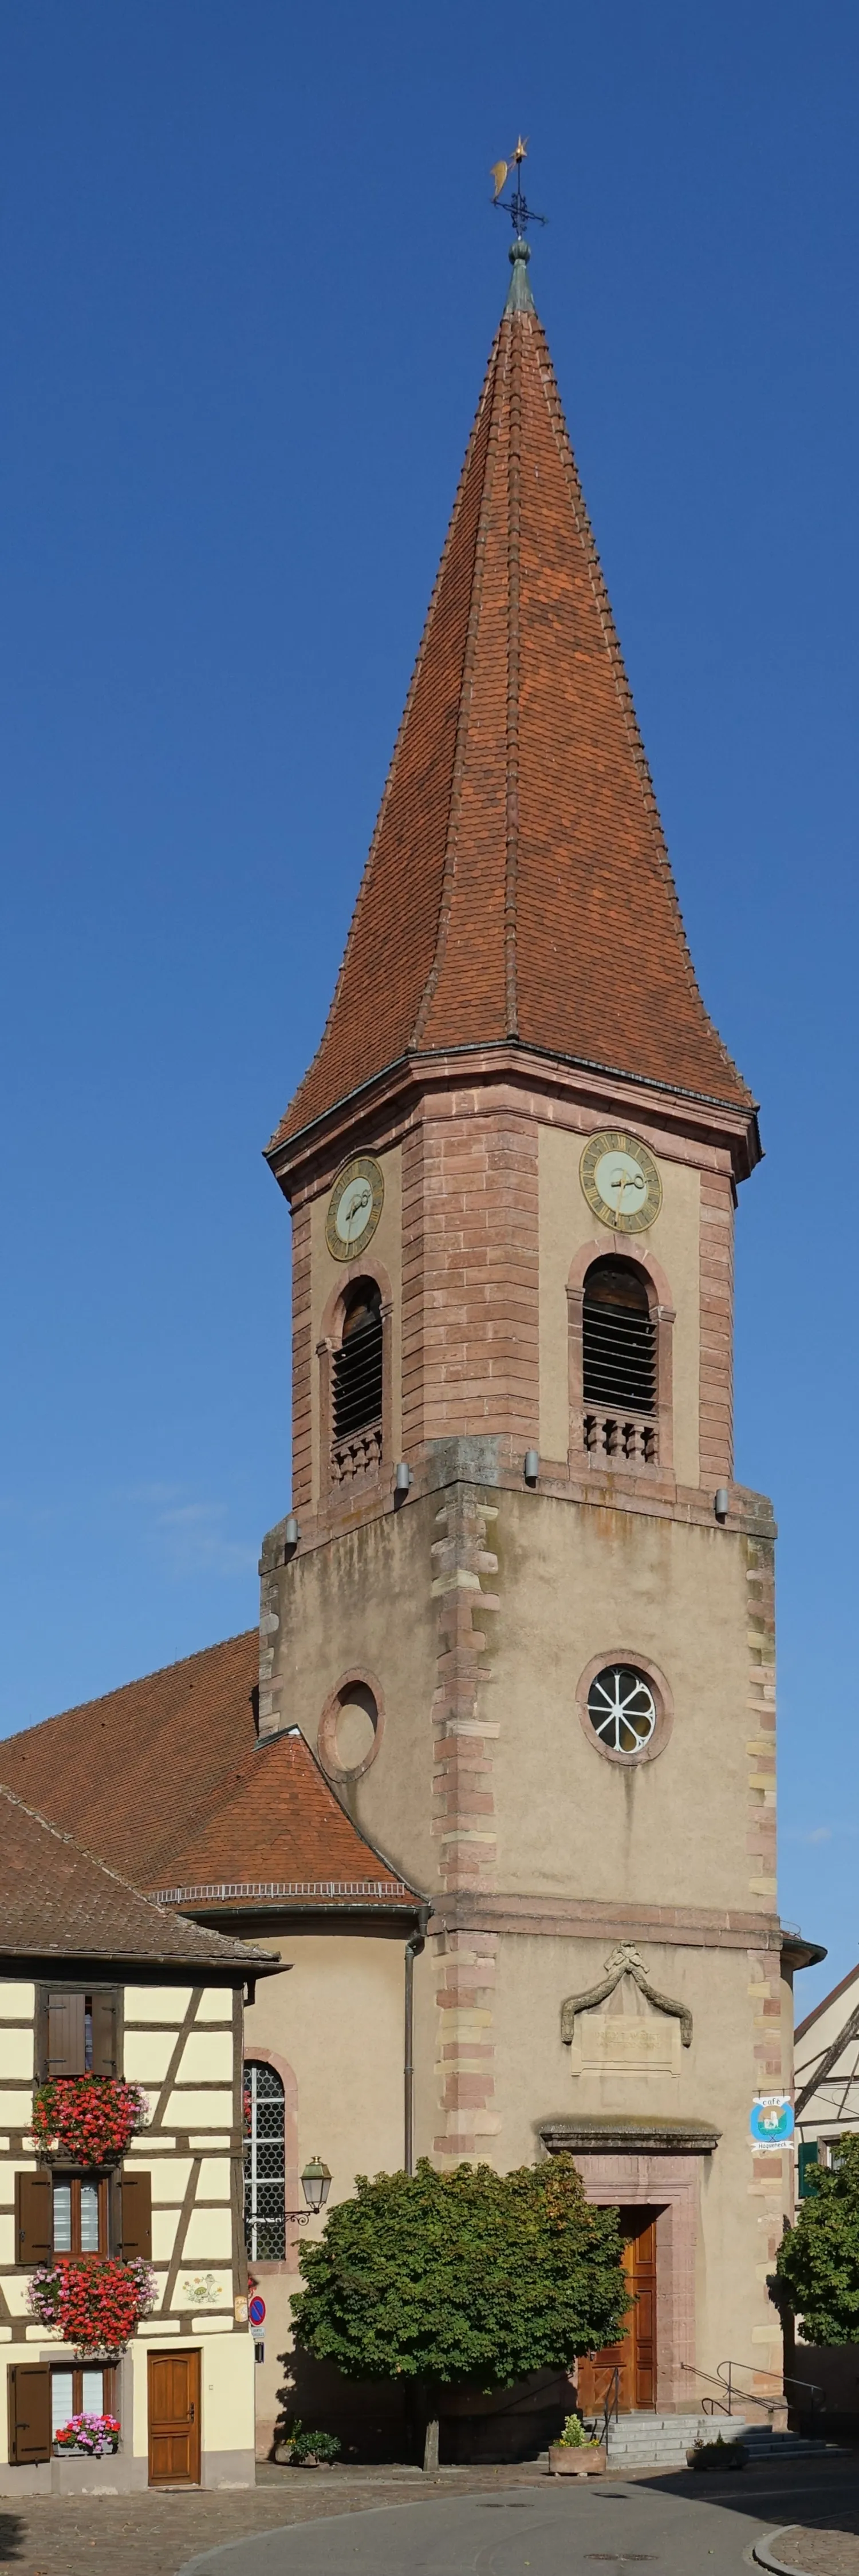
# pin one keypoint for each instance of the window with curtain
(265, 2163)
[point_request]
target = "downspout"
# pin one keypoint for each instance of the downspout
(414, 1945)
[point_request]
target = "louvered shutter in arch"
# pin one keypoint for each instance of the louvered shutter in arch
(358, 1363)
(136, 2216)
(619, 1338)
(66, 2034)
(29, 2413)
(33, 2218)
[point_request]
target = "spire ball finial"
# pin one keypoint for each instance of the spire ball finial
(520, 298)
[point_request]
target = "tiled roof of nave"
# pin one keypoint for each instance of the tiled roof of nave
(166, 1778)
(126, 1772)
(273, 1826)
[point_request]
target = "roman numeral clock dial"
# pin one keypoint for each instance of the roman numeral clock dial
(621, 1182)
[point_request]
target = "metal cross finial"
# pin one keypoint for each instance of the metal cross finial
(516, 205)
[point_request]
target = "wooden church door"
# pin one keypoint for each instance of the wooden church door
(634, 2354)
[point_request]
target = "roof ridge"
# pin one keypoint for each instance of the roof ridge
(390, 1865)
(463, 722)
(626, 701)
(390, 778)
(139, 1683)
(513, 322)
(102, 1866)
(210, 1807)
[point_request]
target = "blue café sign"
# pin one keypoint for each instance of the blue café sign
(771, 2121)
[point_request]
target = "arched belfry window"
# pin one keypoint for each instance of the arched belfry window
(357, 1380)
(619, 1361)
(265, 2163)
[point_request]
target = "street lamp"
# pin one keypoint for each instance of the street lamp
(316, 2183)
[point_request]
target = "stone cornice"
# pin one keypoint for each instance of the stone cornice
(390, 1099)
(594, 1919)
(616, 2134)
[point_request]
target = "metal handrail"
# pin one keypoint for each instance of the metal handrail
(610, 2409)
(754, 2396)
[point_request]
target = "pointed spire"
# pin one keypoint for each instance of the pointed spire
(518, 888)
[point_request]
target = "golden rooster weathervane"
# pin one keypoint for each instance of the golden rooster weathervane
(516, 205)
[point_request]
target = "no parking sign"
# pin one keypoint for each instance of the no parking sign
(256, 2311)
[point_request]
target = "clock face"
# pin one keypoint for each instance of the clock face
(621, 1182)
(354, 1207)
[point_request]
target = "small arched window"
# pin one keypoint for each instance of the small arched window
(619, 1338)
(358, 1362)
(265, 2163)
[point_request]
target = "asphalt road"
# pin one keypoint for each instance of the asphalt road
(686, 2526)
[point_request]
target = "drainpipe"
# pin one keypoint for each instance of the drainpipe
(414, 1945)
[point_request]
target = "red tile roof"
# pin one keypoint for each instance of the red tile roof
(166, 1778)
(518, 886)
(125, 1772)
(58, 1901)
(272, 1833)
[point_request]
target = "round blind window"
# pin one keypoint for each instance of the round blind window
(622, 1709)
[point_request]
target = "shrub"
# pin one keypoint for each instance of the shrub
(817, 2265)
(310, 2449)
(574, 2437)
(718, 2455)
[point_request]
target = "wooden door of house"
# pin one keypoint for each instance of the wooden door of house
(174, 2419)
(634, 2354)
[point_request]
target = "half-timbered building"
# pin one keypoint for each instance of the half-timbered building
(103, 1991)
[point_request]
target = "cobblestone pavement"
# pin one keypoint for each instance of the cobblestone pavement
(161, 2534)
(156, 2535)
(817, 2552)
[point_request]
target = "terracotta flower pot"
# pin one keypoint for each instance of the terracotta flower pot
(577, 2460)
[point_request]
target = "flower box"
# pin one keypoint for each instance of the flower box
(90, 2435)
(577, 2459)
(90, 2118)
(96, 2304)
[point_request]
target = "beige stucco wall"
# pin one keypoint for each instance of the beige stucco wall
(363, 1602)
(566, 1224)
(576, 1582)
(327, 1275)
(334, 2027)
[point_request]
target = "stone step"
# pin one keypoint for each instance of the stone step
(658, 2441)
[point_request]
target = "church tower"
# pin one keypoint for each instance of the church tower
(520, 1609)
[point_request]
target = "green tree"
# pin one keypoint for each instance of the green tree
(817, 2266)
(470, 2277)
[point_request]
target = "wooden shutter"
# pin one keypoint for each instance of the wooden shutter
(29, 2412)
(104, 2034)
(66, 2034)
(33, 2218)
(137, 2216)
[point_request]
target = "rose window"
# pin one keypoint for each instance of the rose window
(622, 1709)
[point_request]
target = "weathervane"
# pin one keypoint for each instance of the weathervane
(516, 205)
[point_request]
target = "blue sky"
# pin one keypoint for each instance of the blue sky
(249, 277)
